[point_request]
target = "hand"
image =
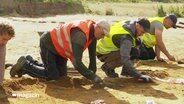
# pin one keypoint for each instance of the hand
(97, 80)
(171, 58)
(145, 78)
(160, 59)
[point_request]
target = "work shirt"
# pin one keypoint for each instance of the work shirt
(125, 43)
(149, 39)
(78, 40)
(155, 25)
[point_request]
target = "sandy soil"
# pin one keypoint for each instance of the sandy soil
(75, 89)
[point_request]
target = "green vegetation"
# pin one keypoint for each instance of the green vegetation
(99, 7)
(53, 1)
(169, 1)
(137, 1)
(178, 10)
(161, 12)
(109, 11)
(79, 1)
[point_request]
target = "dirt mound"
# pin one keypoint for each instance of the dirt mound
(19, 84)
(32, 8)
(14, 86)
(156, 73)
(32, 83)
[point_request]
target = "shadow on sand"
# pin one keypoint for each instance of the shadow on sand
(134, 87)
(80, 90)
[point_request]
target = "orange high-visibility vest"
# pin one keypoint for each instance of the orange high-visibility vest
(61, 37)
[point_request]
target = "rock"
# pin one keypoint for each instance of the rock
(98, 101)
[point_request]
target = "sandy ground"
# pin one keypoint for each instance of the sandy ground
(75, 89)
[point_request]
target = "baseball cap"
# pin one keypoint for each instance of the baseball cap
(104, 24)
(144, 23)
(173, 18)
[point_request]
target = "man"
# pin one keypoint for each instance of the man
(121, 48)
(68, 41)
(154, 38)
(6, 33)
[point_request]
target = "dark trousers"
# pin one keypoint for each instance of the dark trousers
(54, 65)
(146, 53)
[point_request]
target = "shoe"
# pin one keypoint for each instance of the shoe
(124, 72)
(30, 58)
(20, 73)
(109, 72)
(18, 66)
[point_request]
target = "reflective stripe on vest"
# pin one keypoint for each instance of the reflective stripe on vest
(150, 39)
(106, 45)
(61, 37)
(60, 41)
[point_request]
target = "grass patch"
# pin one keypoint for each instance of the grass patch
(176, 9)
(109, 11)
(136, 9)
(161, 12)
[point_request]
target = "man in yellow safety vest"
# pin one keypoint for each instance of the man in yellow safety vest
(121, 47)
(154, 38)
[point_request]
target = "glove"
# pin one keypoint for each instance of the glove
(97, 80)
(145, 78)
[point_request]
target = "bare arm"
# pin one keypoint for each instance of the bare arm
(161, 46)
(157, 51)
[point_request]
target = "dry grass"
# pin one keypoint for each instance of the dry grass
(129, 9)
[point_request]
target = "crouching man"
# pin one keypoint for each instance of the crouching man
(67, 41)
(121, 48)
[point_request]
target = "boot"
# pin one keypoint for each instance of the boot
(15, 70)
(109, 72)
(124, 73)
(35, 70)
(35, 62)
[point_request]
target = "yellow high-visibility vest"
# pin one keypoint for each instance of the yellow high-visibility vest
(149, 39)
(106, 45)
